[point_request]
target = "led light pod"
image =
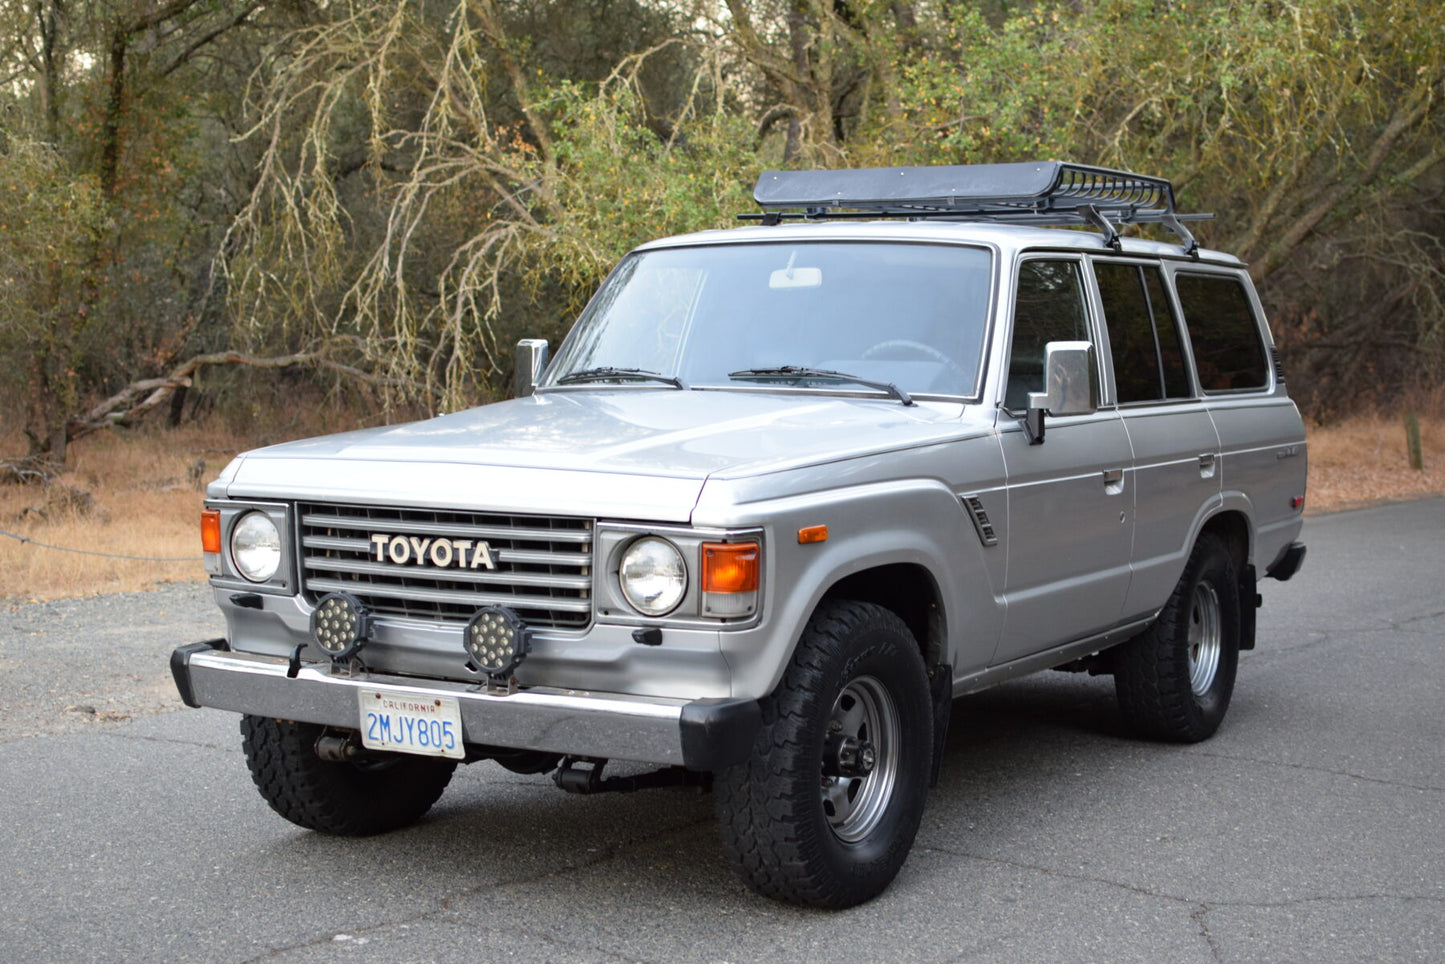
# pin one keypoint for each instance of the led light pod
(497, 640)
(341, 625)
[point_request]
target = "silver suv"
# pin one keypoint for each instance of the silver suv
(784, 492)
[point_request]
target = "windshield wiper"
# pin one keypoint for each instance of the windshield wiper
(605, 372)
(795, 371)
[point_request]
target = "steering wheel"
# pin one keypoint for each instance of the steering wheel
(918, 348)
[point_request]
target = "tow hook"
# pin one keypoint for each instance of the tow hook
(338, 747)
(572, 777)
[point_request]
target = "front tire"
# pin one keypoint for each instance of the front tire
(1175, 679)
(824, 811)
(350, 799)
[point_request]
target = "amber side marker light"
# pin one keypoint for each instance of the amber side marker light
(811, 534)
(729, 578)
(211, 530)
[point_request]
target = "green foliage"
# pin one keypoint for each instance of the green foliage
(410, 187)
(50, 330)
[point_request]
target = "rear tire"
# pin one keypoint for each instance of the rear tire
(351, 799)
(1175, 679)
(805, 819)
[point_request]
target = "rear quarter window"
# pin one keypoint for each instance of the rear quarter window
(1228, 350)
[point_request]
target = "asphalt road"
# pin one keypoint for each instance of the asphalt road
(1312, 827)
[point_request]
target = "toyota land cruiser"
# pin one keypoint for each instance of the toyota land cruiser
(783, 493)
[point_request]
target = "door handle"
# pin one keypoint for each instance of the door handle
(1207, 462)
(1113, 481)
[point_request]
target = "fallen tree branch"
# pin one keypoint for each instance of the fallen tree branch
(140, 397)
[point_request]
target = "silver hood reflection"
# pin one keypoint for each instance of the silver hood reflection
(618, 453)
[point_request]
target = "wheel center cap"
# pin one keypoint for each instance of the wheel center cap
(848, 756)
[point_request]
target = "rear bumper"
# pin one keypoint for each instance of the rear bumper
(1288, 562)
(697, 734)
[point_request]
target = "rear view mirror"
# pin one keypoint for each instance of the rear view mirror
(796, 278)
(1068, 386)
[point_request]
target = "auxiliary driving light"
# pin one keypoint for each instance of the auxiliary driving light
(496, 639)
(341, 625)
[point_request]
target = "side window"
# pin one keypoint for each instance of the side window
(1222, 331)
(1148, 361)
(1048, 306)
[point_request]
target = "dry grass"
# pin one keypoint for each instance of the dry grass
(1364, 459)
(139, 494)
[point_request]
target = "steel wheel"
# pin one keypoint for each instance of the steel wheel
(1205, 638)
(860, 758)
(824, 809)
(1175, 679)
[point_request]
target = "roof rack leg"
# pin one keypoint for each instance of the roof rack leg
(1191, 246)
(1097, 219)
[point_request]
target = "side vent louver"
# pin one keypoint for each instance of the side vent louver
(986, 535)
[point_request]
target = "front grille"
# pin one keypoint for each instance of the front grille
(543, 564)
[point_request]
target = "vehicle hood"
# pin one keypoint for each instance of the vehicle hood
(639, 453)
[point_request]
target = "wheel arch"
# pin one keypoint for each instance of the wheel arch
(912, 592)
(1236, 530)
(1233, 527)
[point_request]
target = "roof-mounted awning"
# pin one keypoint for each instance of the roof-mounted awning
(1042, 192)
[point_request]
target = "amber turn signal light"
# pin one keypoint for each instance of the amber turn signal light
(729, 567)
(211, 530)
(811, 534)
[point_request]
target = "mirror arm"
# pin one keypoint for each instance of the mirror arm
(531, 362)
(1034, 418)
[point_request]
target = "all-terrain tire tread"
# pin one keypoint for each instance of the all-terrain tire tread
(336, 798)
(1151, 675)
(760, 802)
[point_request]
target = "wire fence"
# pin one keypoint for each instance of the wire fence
(92, 552)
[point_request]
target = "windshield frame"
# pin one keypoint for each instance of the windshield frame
(550, 381)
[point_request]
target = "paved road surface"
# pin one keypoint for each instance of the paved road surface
(1312, 827)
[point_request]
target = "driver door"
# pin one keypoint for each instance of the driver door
(1070, 498)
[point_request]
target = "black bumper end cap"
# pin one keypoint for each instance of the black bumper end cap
(1288, 563)
(180, 667)
(717, 734)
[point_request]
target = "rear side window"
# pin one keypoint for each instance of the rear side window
(1228, 351)
(1148, 362)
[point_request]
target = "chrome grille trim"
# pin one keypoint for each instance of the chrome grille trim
(454, 575)
(398, 526)
(543, 563)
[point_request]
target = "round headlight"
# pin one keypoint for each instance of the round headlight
(653, 576)
(256, 546)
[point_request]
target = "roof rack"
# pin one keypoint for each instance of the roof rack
(1036, 192)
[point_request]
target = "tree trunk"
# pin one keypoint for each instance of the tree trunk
(114, 104)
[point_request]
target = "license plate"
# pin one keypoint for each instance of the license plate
(423, 725)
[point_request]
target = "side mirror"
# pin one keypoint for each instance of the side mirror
(531, 362)
(1068, 386)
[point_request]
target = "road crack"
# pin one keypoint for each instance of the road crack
(1424, 788)
(176, 741)
(445, 905)
(1199, 909)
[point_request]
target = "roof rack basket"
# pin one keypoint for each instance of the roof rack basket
(1041, 192)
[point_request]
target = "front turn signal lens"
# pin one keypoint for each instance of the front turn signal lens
(730, 578)
(729, 567)
(211, 530)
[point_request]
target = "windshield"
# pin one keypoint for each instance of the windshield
(906, 315)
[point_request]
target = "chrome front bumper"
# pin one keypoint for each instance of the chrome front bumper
(697, 734)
